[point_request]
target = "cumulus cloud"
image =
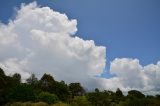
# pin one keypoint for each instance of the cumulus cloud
(40, 40)
(130, 74)
(129, 71)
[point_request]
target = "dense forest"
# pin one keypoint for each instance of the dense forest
(49, 92)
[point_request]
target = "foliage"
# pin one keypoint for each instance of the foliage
(21, 92)
(27, 104)
(16, 78)
(47, 82)
(60, 104)
(2, 72)
(76, 89)
(47, 97)
(61, 90)
(49, 92)
(98, 98)
(119, 93)
(135, 93)
(2, 79)
(80, 101)
(32, 80)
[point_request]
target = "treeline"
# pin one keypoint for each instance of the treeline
(50, 91)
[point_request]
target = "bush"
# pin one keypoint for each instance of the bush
(27, 104)
(80, 101)
(40, 104)
(60, 104)
(20, 104)
(21, 93)
(135, 93)
(47, 97)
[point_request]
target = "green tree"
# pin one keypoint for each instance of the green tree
(76, 89)
(96, 90)
(47, 83)
(21, 92)
(2, 79)
(61, 90)
(2, 87)
(135, 93)
(1, 73)
(98, 98)
(16, 78)
(119, 93)
(32, 80)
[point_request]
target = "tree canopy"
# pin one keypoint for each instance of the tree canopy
(50, 91)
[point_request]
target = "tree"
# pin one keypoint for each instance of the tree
(61, 90)
(96, 90)
(2, 79)
(1, 73)
(119, 93)
(98, 98)
(21, 92)
(47, 82)
(32, 80)
(17, 78)
(76, 89)
(2, 87)
(2, 83)
(135, 93)
(158, 96)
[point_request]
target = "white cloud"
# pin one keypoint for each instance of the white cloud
(152, 73)
(13, 65)
(132, 75)
(129, 70)
(44, 42)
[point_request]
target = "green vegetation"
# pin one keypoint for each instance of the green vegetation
(49, 92)
(47, 97)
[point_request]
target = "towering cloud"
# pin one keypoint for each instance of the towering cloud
(40, 40)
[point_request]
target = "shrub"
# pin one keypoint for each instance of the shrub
(47, 97)
(20, 104)
(21, 93)
(40, 104)
(60, 104)
(80, 101)
(27, 104)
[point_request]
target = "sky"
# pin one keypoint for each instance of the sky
(117, 38)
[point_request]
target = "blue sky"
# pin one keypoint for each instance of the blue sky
(128, 28)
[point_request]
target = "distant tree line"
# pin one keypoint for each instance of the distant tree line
(50, 91)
